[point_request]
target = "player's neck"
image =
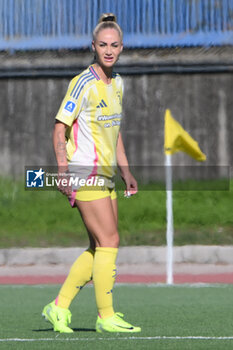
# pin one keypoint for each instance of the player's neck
(104, 73)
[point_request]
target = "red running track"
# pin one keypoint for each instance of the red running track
(147, 279)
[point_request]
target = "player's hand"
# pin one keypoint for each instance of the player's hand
(63, 183)
(131, 184)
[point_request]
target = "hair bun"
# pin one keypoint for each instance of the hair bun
(107, 17)
(107, 20)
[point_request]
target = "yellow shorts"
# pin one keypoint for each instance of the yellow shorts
(87, 195)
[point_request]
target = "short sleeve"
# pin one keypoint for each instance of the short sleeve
(71, 104)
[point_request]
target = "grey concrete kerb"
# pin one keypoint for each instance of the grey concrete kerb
(127, 255)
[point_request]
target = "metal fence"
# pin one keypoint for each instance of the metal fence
(68, 24)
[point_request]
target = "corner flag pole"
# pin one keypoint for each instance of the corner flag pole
(176, 139)
(169, 233)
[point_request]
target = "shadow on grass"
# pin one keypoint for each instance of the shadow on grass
(74, 329)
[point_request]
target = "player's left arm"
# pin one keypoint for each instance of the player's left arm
(122, 162)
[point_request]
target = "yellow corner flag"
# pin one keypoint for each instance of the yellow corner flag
(178, 140)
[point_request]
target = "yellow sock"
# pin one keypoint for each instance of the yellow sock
(104, 275)
(80, 273)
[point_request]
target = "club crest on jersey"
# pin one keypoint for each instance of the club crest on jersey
(70, 106)
(119, 97)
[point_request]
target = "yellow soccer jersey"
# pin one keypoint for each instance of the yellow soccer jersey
(93, 111)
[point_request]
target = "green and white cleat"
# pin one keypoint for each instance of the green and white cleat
(115, 324)
(59, 317)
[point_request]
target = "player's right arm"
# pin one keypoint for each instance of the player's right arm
(68, 112)
(59, 145)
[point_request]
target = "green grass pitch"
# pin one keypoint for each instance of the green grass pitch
(45, 219)
(178, 317)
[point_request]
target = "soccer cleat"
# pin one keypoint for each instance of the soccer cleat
(115, 324)
(59, 317)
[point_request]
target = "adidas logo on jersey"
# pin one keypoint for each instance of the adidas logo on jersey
(102, 104)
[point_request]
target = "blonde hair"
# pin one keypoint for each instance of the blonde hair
(107, 20)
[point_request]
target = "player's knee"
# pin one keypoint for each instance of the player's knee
(110, 239)
(115, 240)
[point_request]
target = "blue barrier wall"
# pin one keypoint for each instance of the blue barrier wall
(58, 24)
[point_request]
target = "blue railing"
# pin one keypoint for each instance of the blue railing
(57, 24)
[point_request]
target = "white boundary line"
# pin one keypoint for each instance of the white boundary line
(117, 285)
(118, 338)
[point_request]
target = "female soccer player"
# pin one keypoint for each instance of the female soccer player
(87, 142)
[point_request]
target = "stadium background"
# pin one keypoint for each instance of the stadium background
(178, 55)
